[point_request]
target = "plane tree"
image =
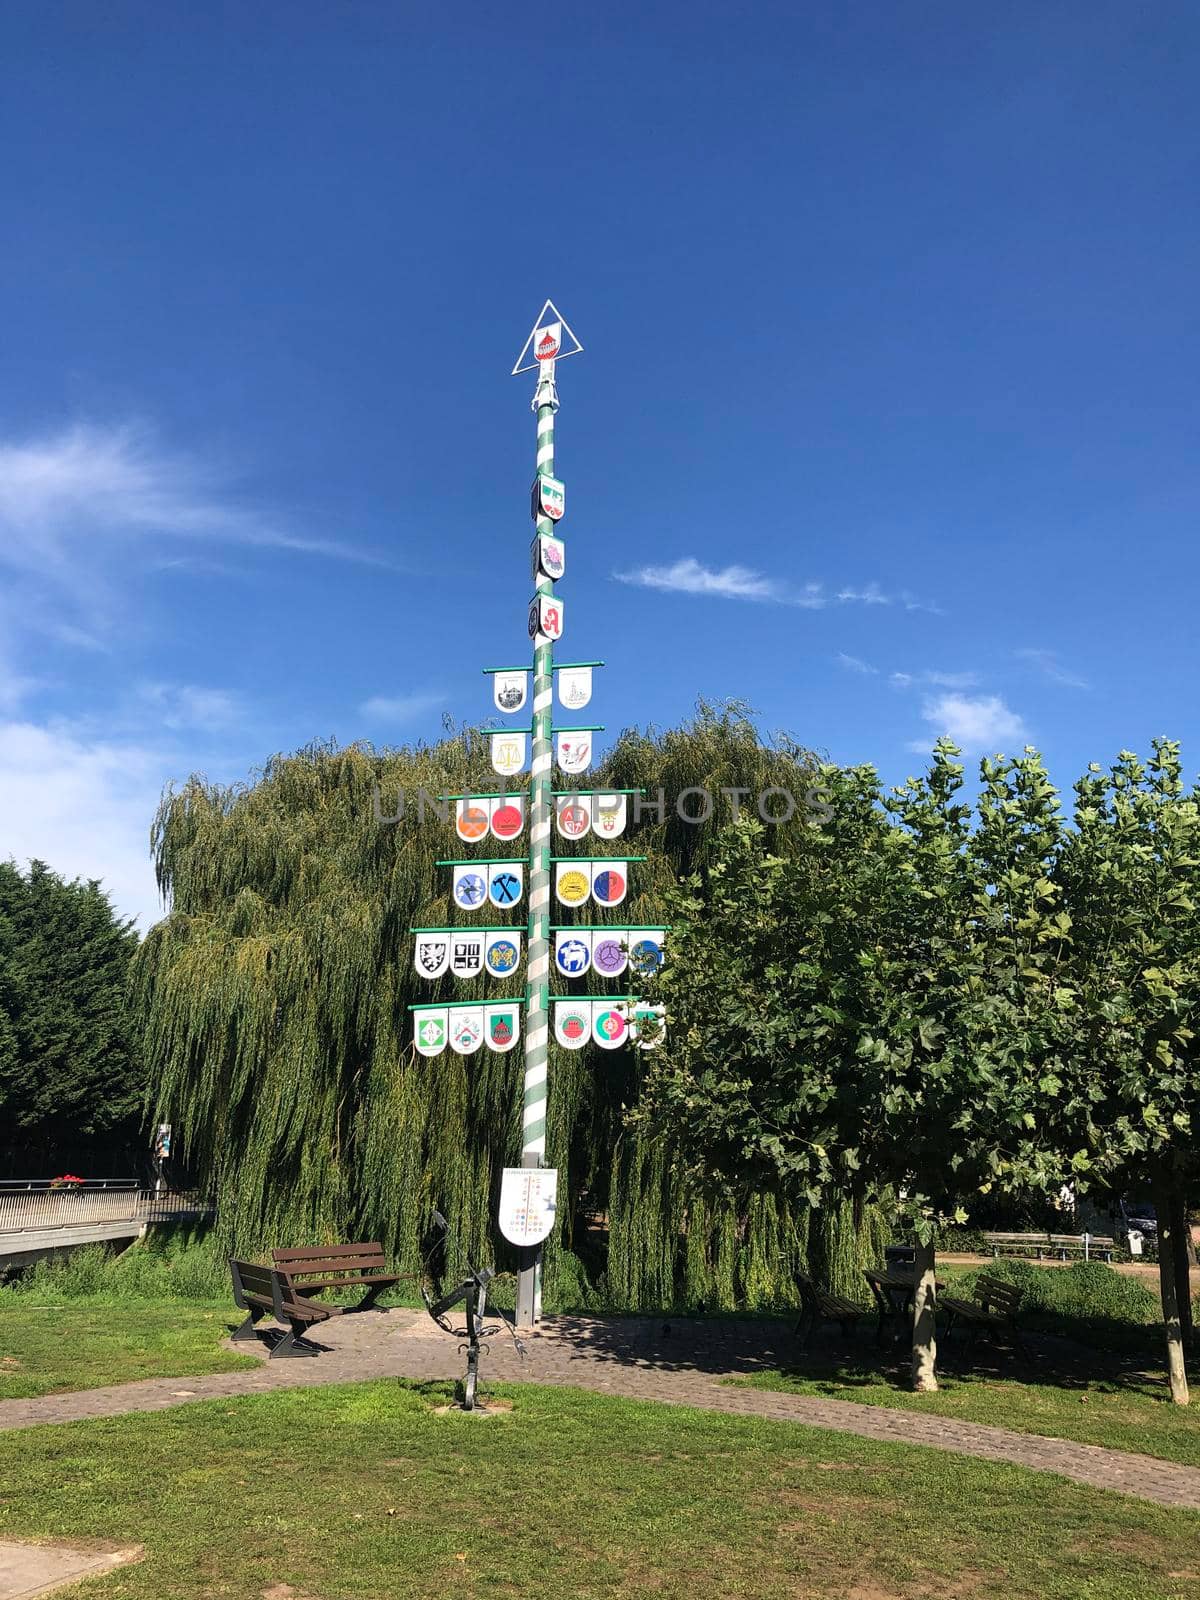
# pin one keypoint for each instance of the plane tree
(881, 1011)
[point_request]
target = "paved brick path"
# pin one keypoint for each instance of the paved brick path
(635, 1357)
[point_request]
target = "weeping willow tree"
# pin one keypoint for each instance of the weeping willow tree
(273, 998)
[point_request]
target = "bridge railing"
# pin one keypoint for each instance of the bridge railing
(41, 1203)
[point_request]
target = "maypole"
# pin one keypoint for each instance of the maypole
(541, 807)
(461, 952)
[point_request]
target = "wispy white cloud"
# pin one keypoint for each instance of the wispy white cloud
(984, 722)
(84, 806)
(689, 576)
(403, 708)
(188, 705)
(855, 664)
(1047, 663)
(933, 680)
(66, 486)
(872, 595)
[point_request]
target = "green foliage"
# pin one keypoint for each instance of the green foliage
(966, 1004)
(1086, 1291)
(859, 1015)
(68, 1063)
(274, 1007)
(178, 1264)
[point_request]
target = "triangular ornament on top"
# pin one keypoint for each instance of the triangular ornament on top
(550, 339)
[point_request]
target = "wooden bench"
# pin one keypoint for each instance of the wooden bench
(262, 1291)
(1061, 1245)
(315, 1268)
(1088, 1245)
(819, 1306)
(992, 1310)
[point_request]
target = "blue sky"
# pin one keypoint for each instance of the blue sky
(886, 420)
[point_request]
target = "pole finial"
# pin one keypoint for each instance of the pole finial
(550, 339)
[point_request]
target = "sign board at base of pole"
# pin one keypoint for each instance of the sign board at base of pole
(528, 1203)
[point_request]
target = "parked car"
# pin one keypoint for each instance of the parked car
(1135, 1216)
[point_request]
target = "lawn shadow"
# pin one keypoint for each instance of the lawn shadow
(743, 1348)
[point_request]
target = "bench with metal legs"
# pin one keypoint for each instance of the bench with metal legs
(263, 1291)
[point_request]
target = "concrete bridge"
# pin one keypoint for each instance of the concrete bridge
(37, 1220)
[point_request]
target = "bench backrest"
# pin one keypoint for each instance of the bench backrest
(809, 1293)
(323, 1261)
(257, 1285)
(996, 1293)
(1017, 1238)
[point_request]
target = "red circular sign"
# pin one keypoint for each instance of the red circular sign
(507, 821)
(574, 1027)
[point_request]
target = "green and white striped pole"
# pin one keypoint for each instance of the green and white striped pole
(541, 805)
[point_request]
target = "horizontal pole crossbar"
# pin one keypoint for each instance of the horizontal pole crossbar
(575, 860)
(457, 1005)
(484, 927)
(559, 666)
(491, 861)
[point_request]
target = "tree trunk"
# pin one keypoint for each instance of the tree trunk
(1181, 1256)
(924, 1335)
(1168, 1288)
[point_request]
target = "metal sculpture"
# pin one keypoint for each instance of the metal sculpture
(471, 1293)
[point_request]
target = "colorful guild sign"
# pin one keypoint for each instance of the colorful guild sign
(466, 955)
(646, 952)
(610, 1025)
(469, 888)
(573, 817)
(545, 617)
(610, 881)
(649, 1025)
(528, 1203)
(466, 1029)
(508, 752)
(573, 1023)
(507, 816)
(506, 884)
(574, 687)
(431, 1030)
(432, 955)
(501, 1026)
(610, 956)
(471, 818)
(574, 751)
(572, 953)
(572, 883)
(551, 498)
(502, 953)
(609, 813)
(509, 690)
(549, 558)
(547, 341)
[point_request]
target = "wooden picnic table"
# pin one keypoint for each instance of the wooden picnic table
(894, 1291)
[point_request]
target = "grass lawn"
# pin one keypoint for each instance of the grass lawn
(1066, 1394)
(50, 1349)
(361, 1490)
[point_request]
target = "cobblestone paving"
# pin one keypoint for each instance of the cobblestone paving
(641, 1358)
